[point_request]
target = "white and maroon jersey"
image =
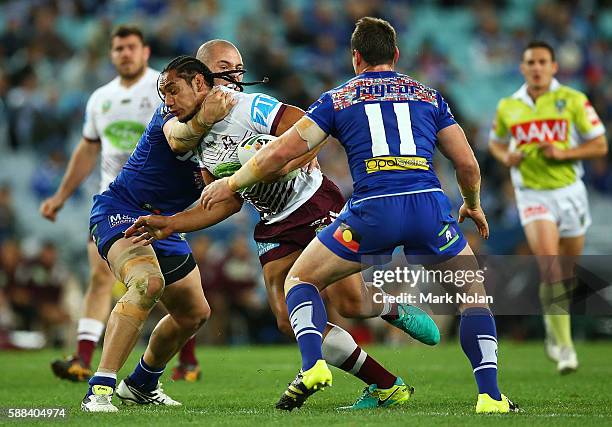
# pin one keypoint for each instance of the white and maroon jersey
(255, 113)
(117, 116)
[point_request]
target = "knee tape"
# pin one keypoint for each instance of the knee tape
(136, 266)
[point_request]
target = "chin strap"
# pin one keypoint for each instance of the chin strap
(230, 76)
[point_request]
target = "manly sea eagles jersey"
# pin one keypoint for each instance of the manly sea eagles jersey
(255, 113)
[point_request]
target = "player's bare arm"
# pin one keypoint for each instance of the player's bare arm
(302, 138)
(503, 155)
(184, 137)
(290, 116)
(590, 149)
(158, 227)
(81, 164)
(454, 145)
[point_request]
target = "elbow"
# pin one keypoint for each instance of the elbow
(603, 151)
(468, 168)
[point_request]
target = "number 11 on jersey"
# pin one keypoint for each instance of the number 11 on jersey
(380, 146)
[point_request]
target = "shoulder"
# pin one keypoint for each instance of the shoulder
(575, 98)
(508, 103)
(103, 91)
(569, 92)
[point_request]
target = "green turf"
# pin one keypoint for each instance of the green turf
(241, 385)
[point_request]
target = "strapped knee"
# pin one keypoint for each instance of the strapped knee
(139, 269)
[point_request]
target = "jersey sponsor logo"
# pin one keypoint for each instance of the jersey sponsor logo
(124, 134)
(347, 237)
(540, 131)
(263, 247)
(393, 89)
(395, 163)
(118, 219)
(535, 210)
(261, 108)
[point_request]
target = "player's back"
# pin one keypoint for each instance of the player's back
(388, 125)
(155, 178)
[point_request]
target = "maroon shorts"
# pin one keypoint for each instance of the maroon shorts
(293, 233)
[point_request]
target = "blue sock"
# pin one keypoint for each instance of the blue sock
(145, 377)
(479, 343)
(308, 319)
(102, 378)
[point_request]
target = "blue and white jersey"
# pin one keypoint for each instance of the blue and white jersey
(154, 179)
(388, 125)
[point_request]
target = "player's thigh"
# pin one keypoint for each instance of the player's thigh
(544, 242)
(101, 275)
(185, 301)
(275, 272)
(571, 246)
(543, 237)
(320, 266)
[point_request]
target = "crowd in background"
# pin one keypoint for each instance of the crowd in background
(54, 53)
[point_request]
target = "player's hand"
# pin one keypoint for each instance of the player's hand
(478, 216)
(50, 207)
(514, 158)
(311, 166)
(149, 228)
(217, 104)
(215, 192)
(551, 152)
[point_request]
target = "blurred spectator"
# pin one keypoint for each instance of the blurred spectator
(41, 281)
(230, 285)
(8, 223)
(48, 176)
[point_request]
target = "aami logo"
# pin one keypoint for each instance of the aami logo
(540, 131)
(535, 210)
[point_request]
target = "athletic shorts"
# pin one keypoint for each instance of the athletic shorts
(568, 207)
(109, 223)
(368, 231)
(294, 233)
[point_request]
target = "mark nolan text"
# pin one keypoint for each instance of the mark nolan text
(429, 298)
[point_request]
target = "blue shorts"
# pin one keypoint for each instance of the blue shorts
(368, 231)
(110, 218)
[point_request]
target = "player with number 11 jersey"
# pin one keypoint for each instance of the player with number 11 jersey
(389, 157)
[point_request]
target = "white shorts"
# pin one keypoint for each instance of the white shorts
(568, 207)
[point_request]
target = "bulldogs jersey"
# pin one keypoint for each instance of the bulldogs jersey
(154, 179)
(388, 125)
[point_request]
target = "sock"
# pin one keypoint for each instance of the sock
(308, 319)
(89, 332)
(555, 305)
(102, 378)
(479, 343)
(390, 311)
(145, 377)
(341, 350)
(187, 354)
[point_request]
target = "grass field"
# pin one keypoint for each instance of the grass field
(241, 385)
